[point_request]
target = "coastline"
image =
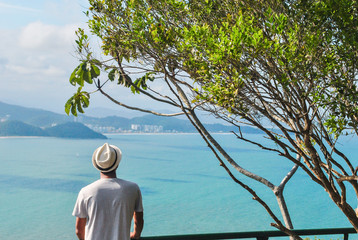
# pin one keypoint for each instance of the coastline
(162, 133)
(6, 137)
(124, 133)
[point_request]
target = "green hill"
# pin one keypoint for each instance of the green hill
(32, 116)
(73, 130)
(17, 128)
(66, 130)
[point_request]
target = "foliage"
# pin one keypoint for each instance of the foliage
(223, 45)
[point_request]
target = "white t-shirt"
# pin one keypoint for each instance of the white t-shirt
(109, 205)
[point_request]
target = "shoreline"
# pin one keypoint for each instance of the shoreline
(111, 134)
(5, 137)
(148, 133)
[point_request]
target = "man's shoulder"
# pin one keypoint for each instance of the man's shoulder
(90, 186)
(105, 183)
(126, 182)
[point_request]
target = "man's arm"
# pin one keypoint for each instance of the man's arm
(138, 225)
(80, 227)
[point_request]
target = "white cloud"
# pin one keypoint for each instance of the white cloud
(37, 55)
(26, 70)
(38, 35)
(17, 7)
(38, 50)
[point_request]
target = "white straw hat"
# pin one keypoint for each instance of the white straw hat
(106, 158)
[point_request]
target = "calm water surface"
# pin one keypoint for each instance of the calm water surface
(184, 189)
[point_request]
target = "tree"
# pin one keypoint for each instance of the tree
(288, 63)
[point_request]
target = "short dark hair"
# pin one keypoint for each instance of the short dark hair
(111, 172)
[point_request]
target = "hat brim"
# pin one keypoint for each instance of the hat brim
(115, 165)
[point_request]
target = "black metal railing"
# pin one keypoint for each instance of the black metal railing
(259, 235)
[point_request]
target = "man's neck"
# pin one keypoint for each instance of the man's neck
(108, 175)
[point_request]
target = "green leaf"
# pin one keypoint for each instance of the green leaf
(73, 110)
(79, 106)
(73, 77)
(113, 75)
(86, 68)
(85, 101)
(95, 71)
(120, 80)
(136, 85)
(77, 102)
(127, 81)
(68, 105)
(78, 77)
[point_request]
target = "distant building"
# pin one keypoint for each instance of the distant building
(147, 128)
(135, 127)
(152, 128)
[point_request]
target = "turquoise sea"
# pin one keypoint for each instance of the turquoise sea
(184, 189)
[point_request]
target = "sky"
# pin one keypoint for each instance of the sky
(37, 53)
(37, 57)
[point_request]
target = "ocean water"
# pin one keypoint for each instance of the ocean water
(185, 191)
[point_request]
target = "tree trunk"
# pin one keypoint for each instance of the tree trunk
(283, 207)
(350, 213)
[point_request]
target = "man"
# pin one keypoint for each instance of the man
(105, 208)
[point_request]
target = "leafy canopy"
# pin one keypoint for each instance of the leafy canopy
(307, 48)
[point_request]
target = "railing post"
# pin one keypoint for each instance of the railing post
(346, 236)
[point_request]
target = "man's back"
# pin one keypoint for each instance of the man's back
(108, 204)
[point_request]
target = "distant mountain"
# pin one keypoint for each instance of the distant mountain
(102, 112)
(168, 123)
(32, 116)
(17, 128)
(73, 130)
(110, 124)
(66, 130)
(111, 121)
(174, 124)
